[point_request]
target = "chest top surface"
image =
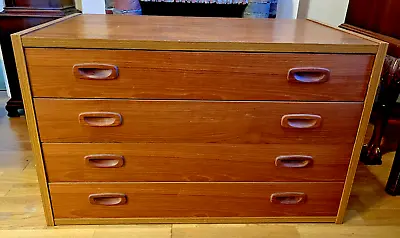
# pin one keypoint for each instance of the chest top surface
(160, 32)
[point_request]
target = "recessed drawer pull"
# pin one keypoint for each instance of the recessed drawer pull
(95, 71)
(288, 198)
(104, 160)
(108, 199)
(309, 75)
(301, 121)
(293, 161)
(100, 119)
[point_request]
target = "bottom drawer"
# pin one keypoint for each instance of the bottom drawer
(152, 200)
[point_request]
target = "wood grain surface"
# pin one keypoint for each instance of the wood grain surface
(19, 190)
(152, 200)
(197, 75)
(371, 211)
(194, 162)
(196, 121)
(203, 128)
(191, 33)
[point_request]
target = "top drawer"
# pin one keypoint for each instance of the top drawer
(197, 75)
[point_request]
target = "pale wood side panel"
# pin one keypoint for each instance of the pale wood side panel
(368, 103)
(32, 126)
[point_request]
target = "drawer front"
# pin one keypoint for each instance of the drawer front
(130, 162)
(196, 75)
(113, 200)
(62, 120)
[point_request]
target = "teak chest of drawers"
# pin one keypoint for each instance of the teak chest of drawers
(194, 120)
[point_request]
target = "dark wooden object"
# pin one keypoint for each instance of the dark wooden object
(19, 15)
(378, 18)
(384, 109)
(393, 184)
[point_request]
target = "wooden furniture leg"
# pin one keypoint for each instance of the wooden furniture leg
(393, 183)
(388, 94)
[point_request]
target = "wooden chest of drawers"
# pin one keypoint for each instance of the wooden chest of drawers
(170, 119)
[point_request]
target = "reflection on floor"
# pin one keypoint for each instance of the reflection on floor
(371, 213)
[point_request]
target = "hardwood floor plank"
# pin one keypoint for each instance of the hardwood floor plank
(23, 189)
(4, 188)
(20, 204)
(23, 220)
(145, 231)
(48, 233)
(235, 231)
(335, 231)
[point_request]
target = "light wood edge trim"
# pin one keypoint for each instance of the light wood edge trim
(378, 42)
(362, 128)
(51, 184)
(190, 220)
(32, 126)
(375, 35)
(190, 46)
(38, 27)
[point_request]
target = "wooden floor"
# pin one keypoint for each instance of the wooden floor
(371, 213)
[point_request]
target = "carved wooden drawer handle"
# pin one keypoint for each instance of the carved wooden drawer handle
(108, 199)
(309, 75)
(294, 161)
(95, 71)
(104, 160)
(301, 121)
(100, 119)
(288, 198)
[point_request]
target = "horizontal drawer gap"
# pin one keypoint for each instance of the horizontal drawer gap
(99, 44)
(207, 51)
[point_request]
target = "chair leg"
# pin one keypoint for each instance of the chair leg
(393, 183)
(13, 107)
(388, 94)
(371, 153)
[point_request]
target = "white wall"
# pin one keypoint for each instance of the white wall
(332, 12)
(93, 6)
(287, 9)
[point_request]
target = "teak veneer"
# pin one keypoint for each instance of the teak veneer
(144, 119)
